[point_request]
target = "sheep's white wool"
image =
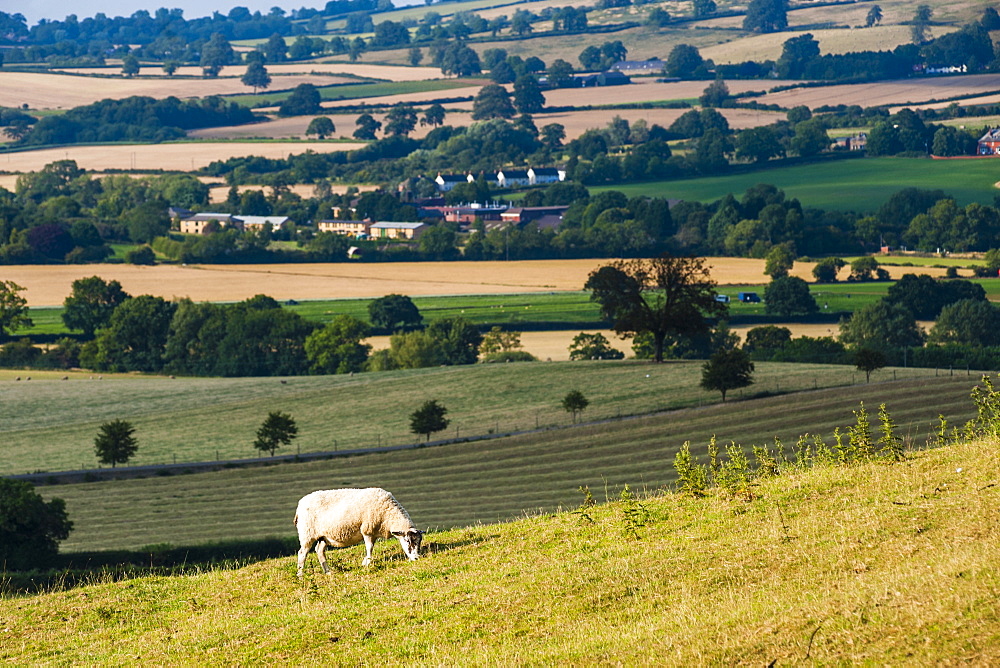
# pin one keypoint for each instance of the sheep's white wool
(346, 517)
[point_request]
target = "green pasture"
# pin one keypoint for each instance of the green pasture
(468, 482)
(860, 185)
(49, 424)
(357, 90)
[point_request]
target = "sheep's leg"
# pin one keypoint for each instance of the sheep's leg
(369, 544)
(303, 553)
(321, 555)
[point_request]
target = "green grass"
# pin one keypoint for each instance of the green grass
(358, 90)
(861, 565)
(857, 185)
(448, 485)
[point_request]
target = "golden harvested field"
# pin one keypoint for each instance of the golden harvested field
(575, 122)
(218, 194)
(50, 285)
(182, 156)
(833, 40)
(41, 90)
(390, 73)
(898, 92)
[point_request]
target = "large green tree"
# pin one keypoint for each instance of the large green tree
(216, 53)
(766, 16)
(881, 325)
(393, 313)
(136, 336)
(91, 303)
(338, 347)
(528, 97)
(971, 322)
(665, 295)
(789, 295)
(256, 75)
(13, 308)
(457, 338)
(30, 526)
(492, 101)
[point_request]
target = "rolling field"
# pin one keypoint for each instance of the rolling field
(465, 483)
(42, 90)
(886, 92)
(354, 70)
(842, 185)
(49, 424)
(171, 157)
(50, 285)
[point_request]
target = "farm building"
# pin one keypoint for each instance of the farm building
(393, 230)
(543, 216)
(258, 222)
(197, 222)
(350, 228)
(856, 142)
(464, 214)
(604, 79)
(651, 66)
(989, 143)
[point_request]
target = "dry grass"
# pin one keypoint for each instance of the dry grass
(833, 40)
(218, 194)
(182, 156)
(886, 92)
(41, 90)
(50, 285)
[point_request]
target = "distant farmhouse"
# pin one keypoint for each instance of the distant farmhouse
(505, 178)
(638, 67)
(394, 230)
(199, 223)
(989, 143)
(358, 229)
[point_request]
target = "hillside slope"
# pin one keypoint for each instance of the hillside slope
(887, 564)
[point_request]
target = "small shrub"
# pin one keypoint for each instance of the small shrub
(767, 463)
(692, 477)
(890, 444)
(635, 513)
(734, 473)
(862, 448)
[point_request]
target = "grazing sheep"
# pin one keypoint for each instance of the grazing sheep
(345, 517)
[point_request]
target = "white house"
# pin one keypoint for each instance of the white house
(509, 178)
(540, 175)
(448, 181)
(196, 223)
(258, 222)
(393, 230)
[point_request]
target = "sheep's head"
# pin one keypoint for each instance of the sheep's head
(410, 540)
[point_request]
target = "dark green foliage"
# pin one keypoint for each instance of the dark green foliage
(30, 527)
(826, 270)
(881, 325)
(135, 337)
(321, 126)
(143, 255)
(13, 308)
(492, 101)
(788, 296)
(394, 313)
(367, 126)
(401, 120)
(766, 16)
(429, 419)
(91, 303)
(278, 429)
(593, 347)
(305, 99)
(256, 76)
(715, 95)
(390, 33)
(528, 97)
(137, 119)
(973, 322)
(925, 296)
(115, 442)
(575, 402)
(868, 360)
(727, 370)
(663, 295)
(337, 348)
(685, 62)
(457, 338)
(766, 340)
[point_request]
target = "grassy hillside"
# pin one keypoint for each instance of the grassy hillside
(488, 481)
(860, 185)
(49, 425)
(872, 564)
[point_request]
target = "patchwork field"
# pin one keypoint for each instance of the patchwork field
(41, 90)
(355, 70)
(887, 92)
(171, 157)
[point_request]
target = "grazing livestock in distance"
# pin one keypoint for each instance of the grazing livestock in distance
(345, 517)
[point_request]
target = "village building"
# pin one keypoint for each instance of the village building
(541, 175)
(197, 222)
(395, 230)
(509, 178)
(989, 143)
(651, 66)
(358, 229)
(258, 222)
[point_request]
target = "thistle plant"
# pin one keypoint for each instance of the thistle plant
(861, 446)
(692, 477)
(767, 463)
(890, 444)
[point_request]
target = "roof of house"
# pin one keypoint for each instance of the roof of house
(513, 174)
(645, 65)
(544, 171)
(387, 224)
(222, 217)
(276, 221)
(457, 178)
(991, 135)
(335, 221)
